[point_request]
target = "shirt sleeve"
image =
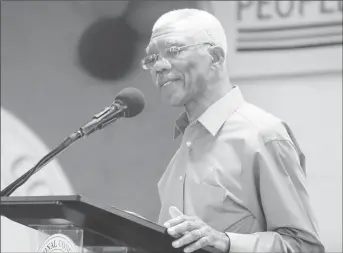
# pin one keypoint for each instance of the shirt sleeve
(290, 222)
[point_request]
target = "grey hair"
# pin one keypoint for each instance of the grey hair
(195, 19)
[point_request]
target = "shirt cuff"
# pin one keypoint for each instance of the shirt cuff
(242, 242)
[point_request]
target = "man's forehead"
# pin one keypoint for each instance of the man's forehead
(166, 40)
(171, 37)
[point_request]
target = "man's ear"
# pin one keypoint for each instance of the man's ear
(218, 54)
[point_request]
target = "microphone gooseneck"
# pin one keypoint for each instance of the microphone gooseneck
(128, 103)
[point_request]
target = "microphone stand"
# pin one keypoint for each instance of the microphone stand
(99, 121)
(45, 160)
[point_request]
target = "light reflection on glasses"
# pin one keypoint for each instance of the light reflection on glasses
(172, 52)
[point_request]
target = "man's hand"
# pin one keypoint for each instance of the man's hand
(195, 231)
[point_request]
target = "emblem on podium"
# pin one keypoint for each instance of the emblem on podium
(57, 243)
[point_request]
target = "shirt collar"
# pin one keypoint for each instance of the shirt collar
(215, 116)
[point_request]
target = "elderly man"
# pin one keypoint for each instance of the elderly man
(237, 182)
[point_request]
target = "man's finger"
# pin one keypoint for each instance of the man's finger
(184, 227)
(174, 221)
(188, 238)
(202, 242)
(174, 212)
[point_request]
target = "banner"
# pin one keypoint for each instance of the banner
(281, 37)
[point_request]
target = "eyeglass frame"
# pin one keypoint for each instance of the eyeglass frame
(162, 55)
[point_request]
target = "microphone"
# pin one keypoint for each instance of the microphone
(128, 103)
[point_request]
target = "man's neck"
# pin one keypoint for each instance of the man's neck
(215, 92)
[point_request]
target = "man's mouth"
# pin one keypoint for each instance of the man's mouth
(169, 82)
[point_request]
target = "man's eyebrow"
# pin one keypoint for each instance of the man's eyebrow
(148, 49)
(174, 43)
(167, 44)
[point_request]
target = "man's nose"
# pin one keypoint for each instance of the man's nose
(162, 64)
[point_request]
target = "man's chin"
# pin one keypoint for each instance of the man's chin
(173, 102)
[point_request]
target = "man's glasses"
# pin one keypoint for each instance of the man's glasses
(173, 52)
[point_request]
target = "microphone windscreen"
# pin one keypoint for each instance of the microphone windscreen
(134, 100)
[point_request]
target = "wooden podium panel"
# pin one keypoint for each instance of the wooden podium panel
(102, 225)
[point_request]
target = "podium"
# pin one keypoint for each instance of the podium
(103, 226)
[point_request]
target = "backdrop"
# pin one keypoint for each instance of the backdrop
(62, 62)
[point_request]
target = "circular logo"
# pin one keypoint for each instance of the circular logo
(58, 243)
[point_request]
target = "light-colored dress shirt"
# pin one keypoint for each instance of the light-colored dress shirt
(241, 171)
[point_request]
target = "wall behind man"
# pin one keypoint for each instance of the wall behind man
(42, 83)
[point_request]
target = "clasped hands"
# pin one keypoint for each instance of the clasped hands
(193, 231)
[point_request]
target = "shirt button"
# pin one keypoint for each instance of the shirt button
(188, 143)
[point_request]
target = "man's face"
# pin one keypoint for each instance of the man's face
(181, 79)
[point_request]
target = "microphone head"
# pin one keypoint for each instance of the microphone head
(134, 100)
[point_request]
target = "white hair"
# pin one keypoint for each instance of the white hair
(207, 27)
